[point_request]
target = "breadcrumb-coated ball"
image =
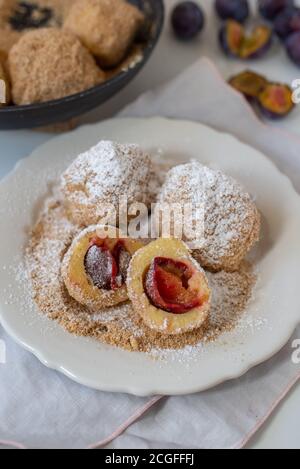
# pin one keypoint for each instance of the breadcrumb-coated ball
(50, 63)
(106, 27)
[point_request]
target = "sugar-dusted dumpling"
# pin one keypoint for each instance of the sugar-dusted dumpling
(231, 219)
(102, 176)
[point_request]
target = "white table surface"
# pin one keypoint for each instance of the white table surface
(283, 429)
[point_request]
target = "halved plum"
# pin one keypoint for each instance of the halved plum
(167, 288)
(256, 44)
(231, 37)
(269, 9)
(95, 267)
(287, 23)
(233, 9)
(169, 285)
(237, 43)
(275, 101)
(249, 83)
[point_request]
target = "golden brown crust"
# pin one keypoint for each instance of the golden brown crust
(49, 64)
(106, 27)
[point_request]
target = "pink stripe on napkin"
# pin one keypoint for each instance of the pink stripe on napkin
(121, 429)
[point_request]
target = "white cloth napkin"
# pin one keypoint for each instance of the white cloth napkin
(42, 409)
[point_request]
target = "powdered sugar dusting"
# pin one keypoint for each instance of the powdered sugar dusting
(232, 222)
(119, 325)
(102, 175)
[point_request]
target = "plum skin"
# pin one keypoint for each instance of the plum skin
(187, 20)
(224, 44)
(269, 9)
(233, 9)
(292, 45)
(287, 22)
(100, 265)
(268, 114)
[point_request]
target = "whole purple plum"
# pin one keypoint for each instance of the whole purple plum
(287, 22)
(292, 45)
(233, 9)
(269, 9)
(187, 20)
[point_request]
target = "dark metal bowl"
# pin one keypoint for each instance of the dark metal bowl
(61, 110)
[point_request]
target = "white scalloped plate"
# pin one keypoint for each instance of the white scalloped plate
(271, 316)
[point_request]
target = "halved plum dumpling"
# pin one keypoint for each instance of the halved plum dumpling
(95, 267)
(168, 288)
